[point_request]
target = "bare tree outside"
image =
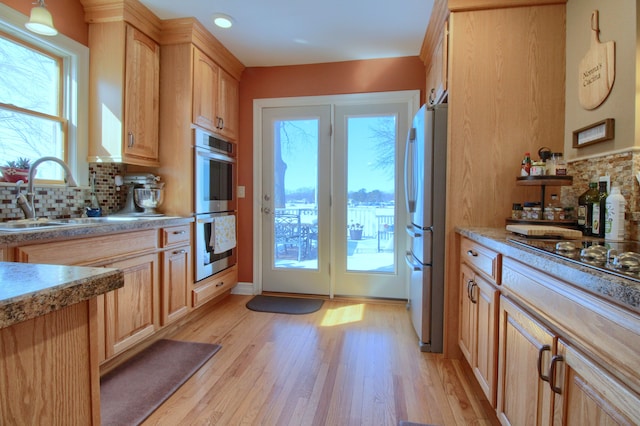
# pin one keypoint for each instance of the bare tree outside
(31, 125)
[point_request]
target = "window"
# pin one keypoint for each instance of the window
(43, 98)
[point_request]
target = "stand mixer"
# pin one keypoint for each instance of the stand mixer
(145, 193)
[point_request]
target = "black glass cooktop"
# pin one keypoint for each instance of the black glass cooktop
(618, 258)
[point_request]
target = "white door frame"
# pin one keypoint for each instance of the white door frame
(411, 97)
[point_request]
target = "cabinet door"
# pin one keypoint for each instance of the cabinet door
(484, 297)
(205, 91)
(467, 316)
(131, 312)
(176, 284)
(228, 106)
(524, 398)
(586, 394)
(142, 97)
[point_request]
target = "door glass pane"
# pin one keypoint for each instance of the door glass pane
(295, 185)
(371, 211)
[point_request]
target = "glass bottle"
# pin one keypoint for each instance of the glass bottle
(526, 164)
(585, 206)
(598, 212)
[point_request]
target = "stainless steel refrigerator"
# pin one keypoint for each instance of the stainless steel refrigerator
(425, 189)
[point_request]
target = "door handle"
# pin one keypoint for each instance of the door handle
(266, 210)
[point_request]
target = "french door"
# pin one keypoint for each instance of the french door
(331, 201)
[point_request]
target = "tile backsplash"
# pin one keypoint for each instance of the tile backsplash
(622, 168)
(64, 202)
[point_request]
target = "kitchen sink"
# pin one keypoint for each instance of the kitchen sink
(29, 224)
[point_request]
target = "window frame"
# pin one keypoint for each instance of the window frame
(74, 98)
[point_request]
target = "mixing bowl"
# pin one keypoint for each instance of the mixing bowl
(148, 199)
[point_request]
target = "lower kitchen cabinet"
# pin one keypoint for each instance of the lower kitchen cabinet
(214, 286)
(479, 297)
(524, 356)
(586, 394)
(176, 270)
(132, 312)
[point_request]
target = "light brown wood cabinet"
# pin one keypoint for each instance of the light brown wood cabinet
(438, 69)
(565, 358)
(477, 336)
(132, 312)
(215, 286)
(524, 398)
(215, 97)
(199, 83)
(176, 273)
(124, 95)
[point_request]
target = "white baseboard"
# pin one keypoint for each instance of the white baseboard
(246, 289)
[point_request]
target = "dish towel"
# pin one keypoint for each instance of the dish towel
(223, 234)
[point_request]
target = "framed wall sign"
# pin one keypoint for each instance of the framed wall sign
(594, 133)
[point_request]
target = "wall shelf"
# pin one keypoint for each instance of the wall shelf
(543, 182)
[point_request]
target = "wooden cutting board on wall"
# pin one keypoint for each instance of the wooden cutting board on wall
(597, 69)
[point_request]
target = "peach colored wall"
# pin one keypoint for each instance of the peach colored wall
(375, 75)
(68, 16)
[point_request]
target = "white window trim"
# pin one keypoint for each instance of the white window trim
(76, 76)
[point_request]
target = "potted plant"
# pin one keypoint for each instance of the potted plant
(16, 170)
(355, 231)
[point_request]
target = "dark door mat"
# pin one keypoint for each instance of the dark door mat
(284, 305)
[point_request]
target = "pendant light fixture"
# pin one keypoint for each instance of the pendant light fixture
(40, 21)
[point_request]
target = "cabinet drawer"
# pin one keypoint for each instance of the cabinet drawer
(89, 251)
(481, 258)
(215, 286)
(175, 235)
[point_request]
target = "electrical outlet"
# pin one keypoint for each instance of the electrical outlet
(241, 192)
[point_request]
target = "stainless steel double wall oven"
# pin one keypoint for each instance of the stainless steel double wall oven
(215, 197)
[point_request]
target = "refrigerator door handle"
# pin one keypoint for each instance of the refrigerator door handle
(412, 232)
(409, 178)
(415, 266)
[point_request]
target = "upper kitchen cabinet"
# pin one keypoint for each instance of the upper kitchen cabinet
(435, 54)
(199, 86)
(215, 97)
(124, 82)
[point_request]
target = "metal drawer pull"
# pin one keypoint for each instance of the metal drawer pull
(544, 348)
(180, 252)
(220, 284)
(474, 301)
(179, 232)
(472, 253)
(552, 374)
(131, 140)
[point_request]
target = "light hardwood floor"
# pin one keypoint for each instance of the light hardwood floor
(351, 363)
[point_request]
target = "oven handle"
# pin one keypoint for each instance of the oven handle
(211, 219)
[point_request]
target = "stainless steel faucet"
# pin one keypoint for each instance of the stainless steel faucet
(27, 204)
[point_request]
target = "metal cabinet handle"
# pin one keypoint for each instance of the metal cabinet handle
(469, 282)
(473, 285)
(544, 348)
(179, 232)
(180, 251)
(552, 373)
(432, 96)
(472, 253)
(220, 284)
(131, 140)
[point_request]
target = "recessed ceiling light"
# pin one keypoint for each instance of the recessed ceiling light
(222, 20)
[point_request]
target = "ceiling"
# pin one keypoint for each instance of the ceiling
(289, 32)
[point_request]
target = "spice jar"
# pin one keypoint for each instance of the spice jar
(548, 213)
(560, 164)
(558, 213)
(526, 212)
(516, 211)
(536, 213)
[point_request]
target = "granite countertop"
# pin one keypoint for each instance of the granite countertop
(29, 290)
(89, 229)
(622, 291)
